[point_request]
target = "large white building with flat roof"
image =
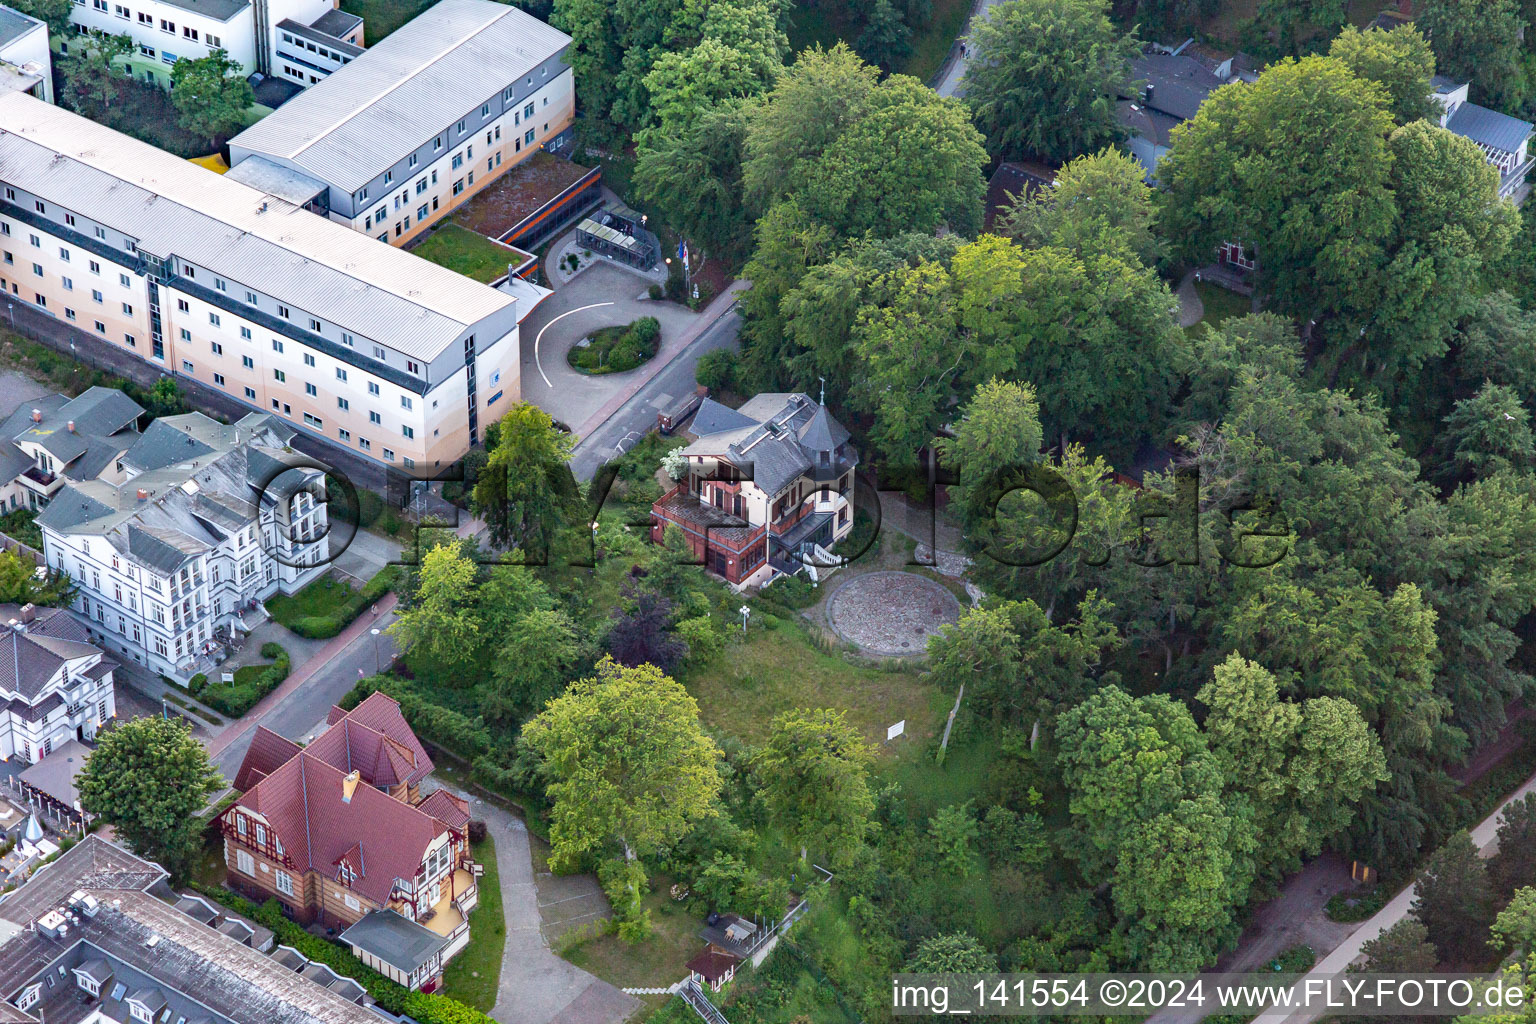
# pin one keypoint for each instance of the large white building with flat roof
(409, 130)
(377, 351)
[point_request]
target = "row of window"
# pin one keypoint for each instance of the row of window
(69, 220)
(166, 25)
(461, 129)
(313, 48)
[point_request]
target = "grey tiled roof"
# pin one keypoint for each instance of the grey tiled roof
(782, 438)
(713, 417)
(394, 939)
(1179, 84)
(202, 480)
(1489, 127)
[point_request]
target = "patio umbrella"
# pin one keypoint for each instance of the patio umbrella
(34, 830)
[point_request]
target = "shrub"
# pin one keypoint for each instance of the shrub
(656, 292)
(352, 603)
(703, 639)
(790, 592)
(717, 370)
(196, 684)
(477, 831)
(646, 330)
(625, 885)
(252, 683)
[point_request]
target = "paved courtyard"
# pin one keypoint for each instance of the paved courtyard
(600, 296)
(17, 388)
(890, 613)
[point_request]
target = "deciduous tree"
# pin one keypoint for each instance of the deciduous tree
(442, 625)
(149, 779)
(627, 761)
(1400, 60)
(1478, 41)
(1043, 76)
(210, 95)
(813, 773)
(1319, 208)
(526, 491)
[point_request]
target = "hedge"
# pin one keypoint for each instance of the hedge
(252, 683)
(323, 627)
(390, 995)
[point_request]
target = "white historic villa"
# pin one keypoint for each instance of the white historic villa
(56, 685)
(208, 520)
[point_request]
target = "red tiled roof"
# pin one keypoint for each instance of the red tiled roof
(268, 752)
(302, 802)
(712, 965)
(380, 713)
(451, 810)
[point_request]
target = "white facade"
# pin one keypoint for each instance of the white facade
(59, 689)
(26, 62)
(167, 562)
(166, 30)
(423, 120)
(373, 349)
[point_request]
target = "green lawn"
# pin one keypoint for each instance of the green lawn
(466, 252)
(325, 596)
(473, 976)
(1220, 304)
(656, 960)
(381, 17)
(778, 669)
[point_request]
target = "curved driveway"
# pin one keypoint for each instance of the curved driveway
(600, 296)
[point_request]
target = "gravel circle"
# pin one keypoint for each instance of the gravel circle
(891, 613)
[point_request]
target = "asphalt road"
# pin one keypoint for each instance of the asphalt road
(638, 415)
(302, 713)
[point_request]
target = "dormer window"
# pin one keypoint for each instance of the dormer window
(29, 997)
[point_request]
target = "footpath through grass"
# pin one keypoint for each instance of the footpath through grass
(474, 975)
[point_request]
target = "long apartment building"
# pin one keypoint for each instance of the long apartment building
(373, 349)
(207, 520)
(419, 123)
(299, 41)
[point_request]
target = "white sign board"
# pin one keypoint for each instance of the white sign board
(226, 677)
(896, 730)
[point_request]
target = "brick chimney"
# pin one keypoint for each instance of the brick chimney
(71, 426)
(37, 415)
(348, 785)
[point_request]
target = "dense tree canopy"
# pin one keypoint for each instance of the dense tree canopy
(1043, 77)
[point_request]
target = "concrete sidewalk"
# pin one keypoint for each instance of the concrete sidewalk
(1484, 837)
(358, 629)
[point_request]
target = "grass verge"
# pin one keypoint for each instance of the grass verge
(474, 975)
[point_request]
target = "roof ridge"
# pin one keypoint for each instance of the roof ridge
(401, 81)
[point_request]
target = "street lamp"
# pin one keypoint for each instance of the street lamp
(746, 613)
(375, 632)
